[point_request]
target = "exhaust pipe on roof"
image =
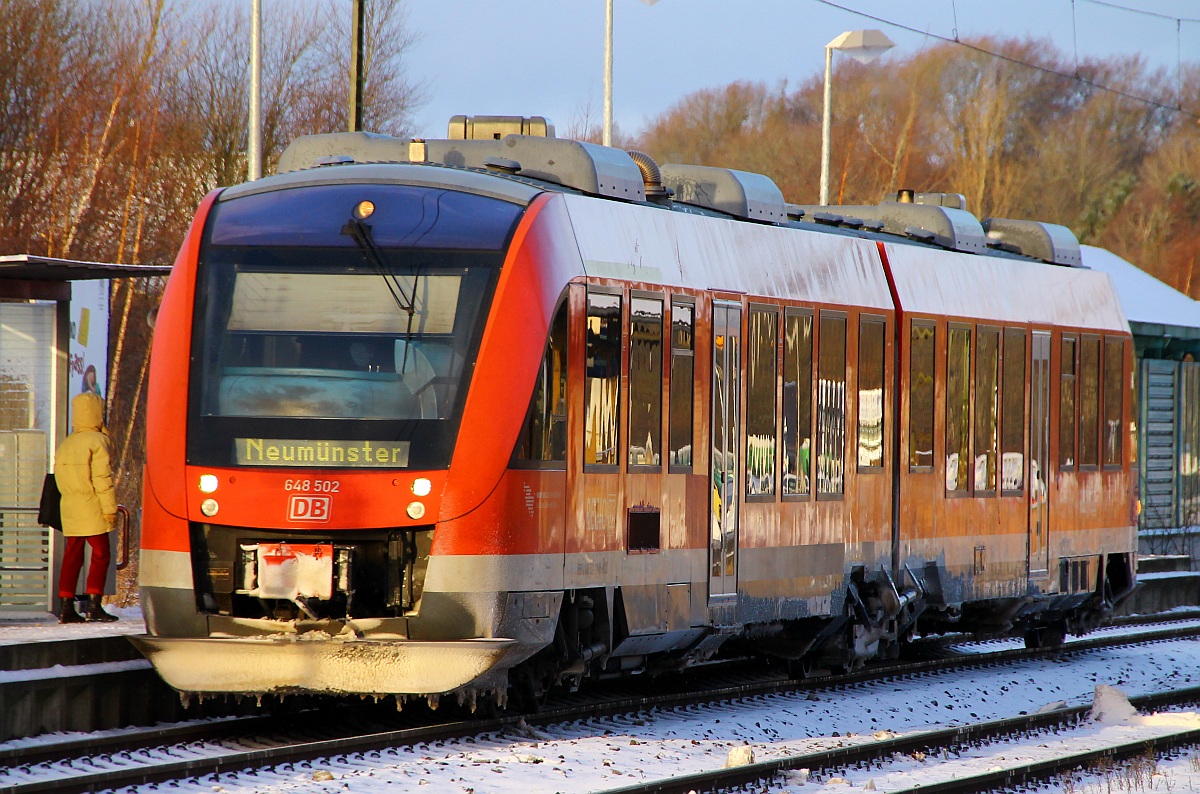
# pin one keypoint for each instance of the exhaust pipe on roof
(651, 175)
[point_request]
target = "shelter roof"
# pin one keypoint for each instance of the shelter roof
(44, 268)
(1152, 307)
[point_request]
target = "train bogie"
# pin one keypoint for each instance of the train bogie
(475, 416)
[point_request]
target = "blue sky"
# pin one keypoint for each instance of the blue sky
(545, 57)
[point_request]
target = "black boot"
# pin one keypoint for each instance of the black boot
(96, 613)
(67, 613)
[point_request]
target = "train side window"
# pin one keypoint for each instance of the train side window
(1012, 413)
(683, 334)
(760, 403)
(1114, 367)
(1066, 405)
(922, 338)
(958, 409)
(797, 403)
(871, 335)
(1089, 401)
(831, 405)
(544, 436)
(987, 381)
(645, 381)
(602, 382)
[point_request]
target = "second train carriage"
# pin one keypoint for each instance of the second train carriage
(470, 414)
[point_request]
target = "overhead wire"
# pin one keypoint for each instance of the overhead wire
(1141, 11)
(1174, 108)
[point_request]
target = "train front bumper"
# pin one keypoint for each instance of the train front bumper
(330, 666)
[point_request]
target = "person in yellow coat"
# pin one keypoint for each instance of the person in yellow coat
(83, 473)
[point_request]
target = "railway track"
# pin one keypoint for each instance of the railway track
(879, 751)
(211, 748)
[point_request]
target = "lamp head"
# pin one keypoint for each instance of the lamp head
(863, 46)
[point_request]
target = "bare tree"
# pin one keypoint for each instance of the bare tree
(390, 95)
(118, 115)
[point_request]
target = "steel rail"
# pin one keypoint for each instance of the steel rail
(579, 706)
(1007, 779)
(948, 738)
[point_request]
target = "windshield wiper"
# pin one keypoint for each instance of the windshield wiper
(361, 233)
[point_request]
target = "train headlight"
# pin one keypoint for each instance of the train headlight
(422, 486)
(208, 483)
(364, 209)
(209, 507)
(415, 510)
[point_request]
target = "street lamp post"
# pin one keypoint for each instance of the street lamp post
(606, 138)
(254, 147)
(358, 64)
(863, 46)
(608, 55)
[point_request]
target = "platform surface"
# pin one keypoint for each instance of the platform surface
(24, 627)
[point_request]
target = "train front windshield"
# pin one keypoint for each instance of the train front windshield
(335, 325)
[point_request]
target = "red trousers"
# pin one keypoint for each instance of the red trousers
(73, 561)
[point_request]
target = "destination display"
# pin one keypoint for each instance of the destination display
(313, 452)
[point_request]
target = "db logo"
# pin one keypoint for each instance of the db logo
(309, 508)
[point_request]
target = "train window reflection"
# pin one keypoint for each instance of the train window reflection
(340, 303)
(1012, 412)
(760, 403)
(1114, 365)
(797, 403)
(831, 405)
(958, 408)
(603, 379)
(1089, 401)
(870, 392)
(682, 372)
(987, 362)
(544, 436)
(920, 395)
(1066, 404)
(334, 345)
(645, 381)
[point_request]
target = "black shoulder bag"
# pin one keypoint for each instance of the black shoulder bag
(50, 508)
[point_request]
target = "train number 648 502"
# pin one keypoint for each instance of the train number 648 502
(312, 486)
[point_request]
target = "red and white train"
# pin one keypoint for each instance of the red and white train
(506, 411)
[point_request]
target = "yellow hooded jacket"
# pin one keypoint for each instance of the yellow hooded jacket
(83, 472)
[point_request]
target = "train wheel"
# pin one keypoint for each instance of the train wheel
(1045, 637)
(529, 689)
(529, 698)
(1055, 635)
(799, 669)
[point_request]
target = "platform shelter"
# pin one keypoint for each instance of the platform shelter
(53, 344)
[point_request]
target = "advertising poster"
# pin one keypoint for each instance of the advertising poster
(88, 351)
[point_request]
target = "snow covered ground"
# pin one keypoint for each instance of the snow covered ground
(43, 627)
(600, 754)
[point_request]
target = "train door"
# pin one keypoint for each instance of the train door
(725, 474)
(1039, 456)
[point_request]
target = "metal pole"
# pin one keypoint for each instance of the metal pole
(608, 60)
(254, 155)
(825, 125)
(357, 65)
